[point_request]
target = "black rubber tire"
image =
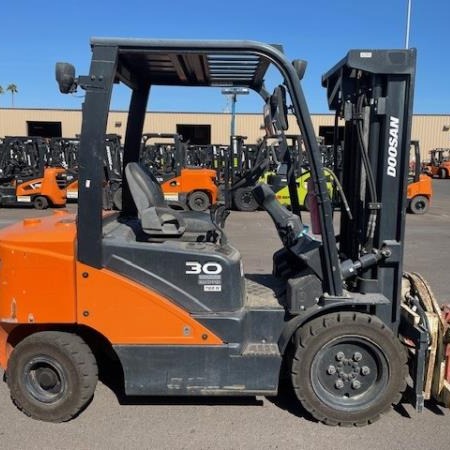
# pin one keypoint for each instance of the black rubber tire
(443, 173)
(40, 202)
(244, 200)
(419, 204)
(52, 376)
(198, 201)
(316, 388)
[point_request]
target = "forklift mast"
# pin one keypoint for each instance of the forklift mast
(179, 154)
(417, 158)
(24, 157)
(372, 92)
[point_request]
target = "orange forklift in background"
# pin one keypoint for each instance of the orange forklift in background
(420, 186)
(191, 186)
(439, 164)
(26, 179)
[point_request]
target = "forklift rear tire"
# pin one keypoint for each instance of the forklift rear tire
(443, 173)
(40, 202)
(199, 201)
(244, 200)
(348, 368)
(52, 375)
(419, 204)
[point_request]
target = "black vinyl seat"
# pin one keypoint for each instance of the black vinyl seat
(157, 218)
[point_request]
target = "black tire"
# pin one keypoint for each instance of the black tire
(419, 204)
(348, 368)
(244, 200)
(198, 201)
(443, 173)
(40, 202)
(52, 376)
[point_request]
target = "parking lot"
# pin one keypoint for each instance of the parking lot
(235, 423)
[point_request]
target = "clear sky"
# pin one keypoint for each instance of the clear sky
(34, 35)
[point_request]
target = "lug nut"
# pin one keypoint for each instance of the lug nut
(357, 356)
(339, 384)
(340, 356)
(331, 370)
(365, 370)
(356, 384)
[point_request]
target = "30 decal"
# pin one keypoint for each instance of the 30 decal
(195, 268)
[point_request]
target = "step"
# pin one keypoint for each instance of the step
(260, 349)
(264, 292)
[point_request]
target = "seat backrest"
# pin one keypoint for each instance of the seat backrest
(144, 187)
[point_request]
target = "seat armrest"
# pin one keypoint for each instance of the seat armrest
(162, 221)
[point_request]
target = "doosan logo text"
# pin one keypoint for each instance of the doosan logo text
(394, 125)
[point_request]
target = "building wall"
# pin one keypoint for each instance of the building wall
(431, 130)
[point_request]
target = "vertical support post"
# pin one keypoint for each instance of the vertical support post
(98, 87)
(408, 24)
(133, 137)
(233, 114)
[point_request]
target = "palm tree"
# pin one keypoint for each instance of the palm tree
(1, 90)
(13, 89)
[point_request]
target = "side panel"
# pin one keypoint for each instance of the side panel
(422, 187)
(128, 313)
(159, 370)
(37, 277)
(193, 180)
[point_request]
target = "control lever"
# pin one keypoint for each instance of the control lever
(219, 213)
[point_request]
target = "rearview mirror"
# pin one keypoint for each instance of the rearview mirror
(300, 67)
(65, 76)
(278, 106)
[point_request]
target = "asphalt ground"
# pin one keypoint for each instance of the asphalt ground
(114, 422)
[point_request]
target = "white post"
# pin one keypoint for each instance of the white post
(408, 24)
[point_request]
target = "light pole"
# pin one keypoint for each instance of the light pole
(233, 92)
(408, 23)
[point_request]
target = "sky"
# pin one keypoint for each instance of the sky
(35, 35)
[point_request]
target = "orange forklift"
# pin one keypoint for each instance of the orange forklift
(439, 164)
(420, 186)
(192, 186)
(165, 294)
(25, 177)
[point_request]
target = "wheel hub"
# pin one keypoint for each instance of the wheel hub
(45, 379)
(349, 373)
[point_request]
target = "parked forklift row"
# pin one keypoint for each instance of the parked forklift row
(192, 177)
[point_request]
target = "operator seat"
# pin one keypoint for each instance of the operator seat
(157, 218)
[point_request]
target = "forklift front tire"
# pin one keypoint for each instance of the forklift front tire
(244, 200)
(199, 201)
(348, 368)
(443, 173)
(40, 202)
(419, 204)
(52, 376)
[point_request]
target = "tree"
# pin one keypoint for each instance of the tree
(1, 90)
(13, 89)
